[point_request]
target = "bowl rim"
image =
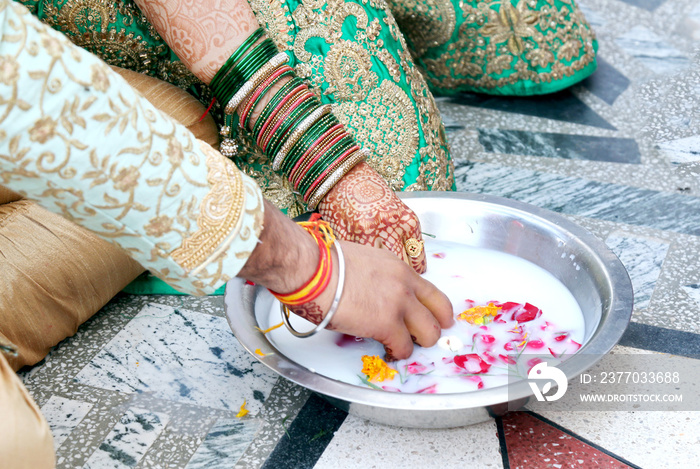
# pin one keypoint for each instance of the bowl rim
(608, 333)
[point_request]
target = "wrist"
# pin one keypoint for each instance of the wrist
(285, 257)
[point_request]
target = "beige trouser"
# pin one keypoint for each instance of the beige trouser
(25, 439)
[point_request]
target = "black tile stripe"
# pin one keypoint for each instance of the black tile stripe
(502, 442)
(561, 106)
(659, 339)
(307, 436)
(582, 439)
(564, 146)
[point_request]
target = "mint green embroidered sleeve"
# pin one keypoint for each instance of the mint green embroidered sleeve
(81, 142)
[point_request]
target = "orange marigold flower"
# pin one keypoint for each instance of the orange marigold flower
(376, 369)
(479, 314)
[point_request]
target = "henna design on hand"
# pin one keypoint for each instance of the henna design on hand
(312, 312)
(202, 34)
(363, 209)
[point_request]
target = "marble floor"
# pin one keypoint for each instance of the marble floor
(157, 381)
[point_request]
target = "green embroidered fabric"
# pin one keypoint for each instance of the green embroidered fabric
(516, 47)
(351, 54)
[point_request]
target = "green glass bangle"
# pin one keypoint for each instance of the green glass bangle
(288, 73)
(237, 54)
(301, 111)
(305, 141)
(274, 102)
(322, 159)
(324, 162)
(243, 70)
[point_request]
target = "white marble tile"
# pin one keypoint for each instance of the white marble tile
(224, 444)
(652, 51)
(693, 291)
(129, 440)
(63, 415)
(181, 356)
(363, 444)
(681, 151)
(642, 258)
(595, 19)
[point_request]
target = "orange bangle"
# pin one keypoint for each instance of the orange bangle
(323, 235)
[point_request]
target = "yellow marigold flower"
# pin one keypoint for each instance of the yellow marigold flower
(243, 412)
(376, 369)
(477, 314)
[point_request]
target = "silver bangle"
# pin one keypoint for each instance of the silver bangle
(255, 81)
(297, 133)
(342, 170)
(334, 306)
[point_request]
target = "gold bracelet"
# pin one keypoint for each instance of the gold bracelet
(336, 176)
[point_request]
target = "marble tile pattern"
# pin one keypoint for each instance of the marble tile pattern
(643, 259)
(563, 106)
(530, 442)
(157, 381)
(551, 145)
(682, 150)
(607, 83)
(359, 443)
(225, 443)
(129, 440)
(693, 291)
(182, 356)
(63, 415)
(612, 202)
(652, 51)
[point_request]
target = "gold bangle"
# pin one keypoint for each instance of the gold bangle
(336, 176)
(298, 132)
(255, 81)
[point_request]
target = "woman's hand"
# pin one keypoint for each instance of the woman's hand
(361, 208)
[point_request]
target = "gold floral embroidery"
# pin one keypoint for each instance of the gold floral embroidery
(393, 139)
(499, 44)
(426, 23)
(219, 214)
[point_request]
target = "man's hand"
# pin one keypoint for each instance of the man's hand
(382, 298)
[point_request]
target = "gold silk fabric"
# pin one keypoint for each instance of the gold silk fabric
(351, 53)
(25, 437)
(55, 275)
(75, 137)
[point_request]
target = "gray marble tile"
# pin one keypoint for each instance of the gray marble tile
(643, 259)
(607, 82)
(690, 24)
(649, 5)
(574, 196)
(63, 415)
(181, 356)
(652, 51)
(225, 443)
(594, 18)
(565, 146)
(682, 150)
(129, 440)
(693, 291)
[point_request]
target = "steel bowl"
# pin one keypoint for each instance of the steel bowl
(582, 262)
